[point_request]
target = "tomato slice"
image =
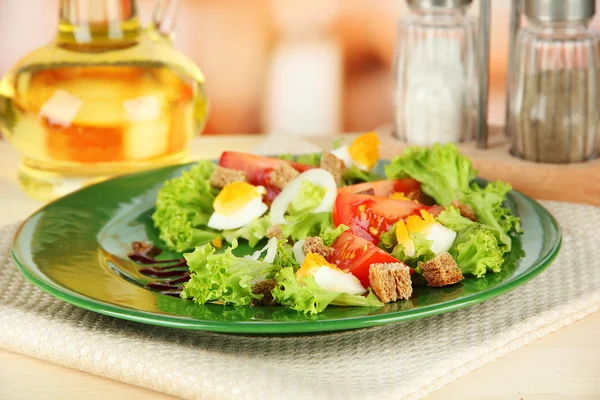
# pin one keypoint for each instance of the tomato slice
(369, 216)
(258, 169)
(255, 167)
(354, 254)
(410, 187)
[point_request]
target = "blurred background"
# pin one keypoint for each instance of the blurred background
(290, 66)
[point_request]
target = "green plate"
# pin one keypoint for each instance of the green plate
(76, 249)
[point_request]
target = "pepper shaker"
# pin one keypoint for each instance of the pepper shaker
(436, 73)
(554, 104)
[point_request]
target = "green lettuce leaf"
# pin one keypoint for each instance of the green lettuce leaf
(444, 173)
(350, 300)
(285, 255)
(354, 175)
(307, 199)
(254, 232)
(223, 276)
(310, 298)
(487, 204)
(451, 218)
(308, 159)
(423, 253)
(312, 224)
(183, 207)
(476, 250)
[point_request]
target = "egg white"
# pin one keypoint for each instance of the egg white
(343, 154)
(442, 238)
(316, 176)
(338, 281)
(254, 209)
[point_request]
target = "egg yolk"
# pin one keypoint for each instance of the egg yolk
(421, 224)
(235, 196)
(413, 224)
(404, 238)
(364, 150)
(400, 196)
(311, 264)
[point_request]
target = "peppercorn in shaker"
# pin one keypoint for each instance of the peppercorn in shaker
(554, 113)
(436, 73)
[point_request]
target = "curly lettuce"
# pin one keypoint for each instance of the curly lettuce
(476, 251)
(308, 297)
(451, 218)
(313, 224)
(446, 176)
(223, 276)
(183, 207)
(443, 172)
(254, 232)
(487, 204)
(423, 252)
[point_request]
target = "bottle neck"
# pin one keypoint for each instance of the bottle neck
(90, 22)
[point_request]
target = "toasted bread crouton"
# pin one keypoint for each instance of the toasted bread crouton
(283, 174)
(441, 271)
(264, 287)
(465, 210)
(390, 281)
(315, 245)
(222, 177)
(275, 231)
(334, 165)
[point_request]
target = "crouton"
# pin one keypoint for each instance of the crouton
(465, 210)
(283, 174)
(222, 177)
(275, 231)
(264, 287)
(315, 245)
(390, 281)
(441, 271)
(369, 191)
(334, 165)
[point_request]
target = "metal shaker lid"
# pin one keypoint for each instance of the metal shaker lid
(438, 3)
(560, 10)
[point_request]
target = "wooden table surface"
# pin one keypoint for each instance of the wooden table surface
(563, 365)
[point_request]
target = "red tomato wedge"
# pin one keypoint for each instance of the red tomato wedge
(369, 216)
(410, 187)
(258, 169)
(354, 254)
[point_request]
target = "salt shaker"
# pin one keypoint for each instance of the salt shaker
(436, 90)
(554, 107)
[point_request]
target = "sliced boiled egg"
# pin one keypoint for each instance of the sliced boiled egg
(328, 276)
(440, 236)
(316, 176)
(237, 205)
(362, 152)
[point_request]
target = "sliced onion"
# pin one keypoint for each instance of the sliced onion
(299, 251)
(271, 251)
(317, 176)
(271, 248)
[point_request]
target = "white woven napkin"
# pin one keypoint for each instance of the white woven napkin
(405, 360)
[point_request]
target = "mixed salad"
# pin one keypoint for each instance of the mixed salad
(326, 229)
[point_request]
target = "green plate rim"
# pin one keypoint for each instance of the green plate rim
(289, 327)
